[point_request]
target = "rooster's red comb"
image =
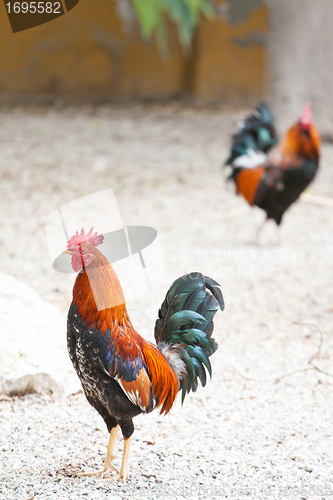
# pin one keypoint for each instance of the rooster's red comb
(306, 119)
(90, 238)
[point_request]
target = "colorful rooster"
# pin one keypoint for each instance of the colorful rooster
(274, 182)
(122, 374)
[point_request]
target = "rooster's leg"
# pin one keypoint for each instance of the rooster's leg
(110, 456)
(124, 464)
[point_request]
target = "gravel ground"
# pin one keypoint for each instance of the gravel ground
(245, 435)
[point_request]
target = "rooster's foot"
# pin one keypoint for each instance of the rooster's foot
(103, 472)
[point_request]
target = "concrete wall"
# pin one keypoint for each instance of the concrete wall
(300, 61)
(95, 53)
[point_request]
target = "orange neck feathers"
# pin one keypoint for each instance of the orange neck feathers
(98, 295)
(298, 143)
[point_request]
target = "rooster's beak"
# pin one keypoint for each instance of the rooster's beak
(67, 252)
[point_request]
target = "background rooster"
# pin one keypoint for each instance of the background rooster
(275, 181)
(122, 374)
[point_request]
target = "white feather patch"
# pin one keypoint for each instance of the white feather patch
(251, 159)
(172, 356)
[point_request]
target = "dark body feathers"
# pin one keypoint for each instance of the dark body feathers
(89, 353)
(280, 187)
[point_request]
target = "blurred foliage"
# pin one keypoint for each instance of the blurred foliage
(152, 15)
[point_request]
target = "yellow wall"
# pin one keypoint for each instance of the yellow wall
(88, 54)
(230, 64)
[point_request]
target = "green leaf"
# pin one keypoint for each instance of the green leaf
(184, 13)
(149, 13)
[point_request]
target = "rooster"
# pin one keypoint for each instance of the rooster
(122, 374)
(275, 181)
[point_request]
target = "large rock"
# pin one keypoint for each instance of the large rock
(33, 351)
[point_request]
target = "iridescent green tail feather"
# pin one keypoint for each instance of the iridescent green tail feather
(185, 322)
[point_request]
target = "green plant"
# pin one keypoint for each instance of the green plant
(185, 14)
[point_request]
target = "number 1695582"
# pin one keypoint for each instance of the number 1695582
(33, 7)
